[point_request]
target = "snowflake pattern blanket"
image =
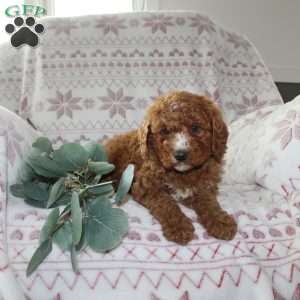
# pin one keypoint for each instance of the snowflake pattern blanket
(92, 77)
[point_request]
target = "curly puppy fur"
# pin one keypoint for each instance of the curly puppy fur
(178, 154)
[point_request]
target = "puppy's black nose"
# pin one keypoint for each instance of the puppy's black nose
(181, 155)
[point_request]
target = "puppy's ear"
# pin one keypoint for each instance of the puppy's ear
(143, 134)
(219, 135)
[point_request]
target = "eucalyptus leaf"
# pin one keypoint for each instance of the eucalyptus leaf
(96, 179)
(96, 152)
(39, 255)
(49, 225)
(34, 153)
(107, 190)
(43, 144)
(100, 167)
(63, 236)
(63, 200)
(26, 172)
(71, 156)
(56, 191)
(125, 184)
(106, 226)
(104, 201)
(36, 191)
(17, 190)
(76, 218)
(46, 167)
(34, 203)
(74, 259)
(83, 242)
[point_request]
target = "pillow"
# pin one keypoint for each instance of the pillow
(264, 148)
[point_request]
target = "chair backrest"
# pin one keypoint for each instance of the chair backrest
(94, 76)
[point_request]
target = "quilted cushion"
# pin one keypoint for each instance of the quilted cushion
(264, 148)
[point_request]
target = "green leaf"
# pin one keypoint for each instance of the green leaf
(101, 168)
(74, 259)
(83, 242)
(102, 190)
(39, 255)
(96, 152)
(65, 199)
(26, 172)
(105, 226)
(36, 191)
(46, 167)
(56, 191)
(63, 236)
(34, 152)
(49, 225)
(96, 179)
(125, 184)
(43, 144)
(71, 156)
(104, 201)
(34, 203)
(76, 218)
(17, 190)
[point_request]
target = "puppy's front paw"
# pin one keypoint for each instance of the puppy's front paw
(224, 228)
(181, 232)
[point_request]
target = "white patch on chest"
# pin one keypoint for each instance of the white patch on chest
(181, 194)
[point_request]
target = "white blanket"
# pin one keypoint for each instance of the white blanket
(92, 77)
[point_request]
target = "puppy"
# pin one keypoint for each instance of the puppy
(178, 156)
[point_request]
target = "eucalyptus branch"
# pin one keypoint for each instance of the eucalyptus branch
(60, 177)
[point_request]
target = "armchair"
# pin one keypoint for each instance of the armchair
(92, 77)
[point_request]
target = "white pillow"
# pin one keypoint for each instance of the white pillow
(264, 148)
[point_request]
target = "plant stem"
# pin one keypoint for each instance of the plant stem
(100, 184)
(62, 219)
(67, 212)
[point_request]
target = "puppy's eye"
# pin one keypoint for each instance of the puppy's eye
(163, 131)
(195, 129)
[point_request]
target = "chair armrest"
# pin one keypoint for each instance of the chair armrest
(16, 137)
(264, 148)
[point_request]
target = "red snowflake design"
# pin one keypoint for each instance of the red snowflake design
(248, 105)
(111, 24)
(158, 22)
(116, 103)
(202, 24)
(65, 27)
(64, 104)
(89, 103)
(238, 41)
(288, 129)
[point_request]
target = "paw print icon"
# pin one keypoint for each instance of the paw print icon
(24, 32)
